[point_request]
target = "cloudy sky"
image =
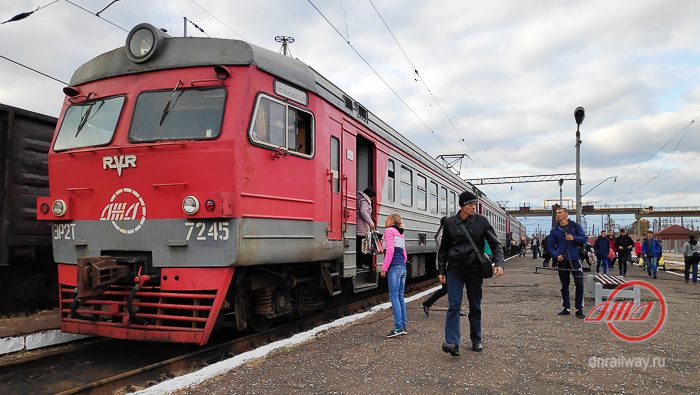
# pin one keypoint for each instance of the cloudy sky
(508, 74)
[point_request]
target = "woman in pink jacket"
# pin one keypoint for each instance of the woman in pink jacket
(395, 267)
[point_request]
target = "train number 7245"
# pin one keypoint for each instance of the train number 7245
(207, 231)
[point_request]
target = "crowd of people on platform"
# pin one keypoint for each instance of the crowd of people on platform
(466, 240)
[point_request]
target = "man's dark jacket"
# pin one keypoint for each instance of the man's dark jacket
(558, 245)
(457, 250)
(625, 242)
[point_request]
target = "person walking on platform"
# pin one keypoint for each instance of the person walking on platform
(464, 269)
(523, 247)
(691, 256)
(364, 225)
(443, 289)
(638, 252)
(535, 246)
(625, 245)
(602, 248)
(611, 241)
(652, 251)
(545, 252)
(565, 239)
(394, 267)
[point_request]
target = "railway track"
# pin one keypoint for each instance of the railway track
(114, 366)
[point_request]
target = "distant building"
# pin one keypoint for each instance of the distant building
(674, 236)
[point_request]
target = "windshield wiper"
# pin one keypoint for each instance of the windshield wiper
(167, 108)
(86, 117)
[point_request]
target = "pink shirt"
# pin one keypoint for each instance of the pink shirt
(393, 242)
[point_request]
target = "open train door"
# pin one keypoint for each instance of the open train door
(336, 221)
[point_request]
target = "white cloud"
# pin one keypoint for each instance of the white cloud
(509, 74)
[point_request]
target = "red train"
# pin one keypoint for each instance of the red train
(195, 178)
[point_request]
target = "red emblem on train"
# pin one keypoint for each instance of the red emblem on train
(127, 211)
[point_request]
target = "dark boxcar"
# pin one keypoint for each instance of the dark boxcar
(27, 271)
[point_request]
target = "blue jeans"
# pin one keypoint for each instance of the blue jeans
(455, 288)
(396, 278)
(604, 262)
(652, 265)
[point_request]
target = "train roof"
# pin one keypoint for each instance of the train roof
(181, 52)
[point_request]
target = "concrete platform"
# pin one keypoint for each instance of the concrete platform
(29, 332)
(528, 349)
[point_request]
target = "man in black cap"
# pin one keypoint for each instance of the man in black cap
(459, 266)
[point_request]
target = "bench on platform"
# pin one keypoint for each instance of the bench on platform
(600, 286)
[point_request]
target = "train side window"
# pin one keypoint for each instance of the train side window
(453, 203)
(443, 201)
(421, 192)
(391, 181)
(406, 187)
(433, 197)
(277, 124)
(335, 163)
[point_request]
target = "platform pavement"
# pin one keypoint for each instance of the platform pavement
(28, 332)
(528, 349)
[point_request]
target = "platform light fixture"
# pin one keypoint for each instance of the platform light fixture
(579, 115)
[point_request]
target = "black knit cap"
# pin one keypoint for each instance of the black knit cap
(466, 197)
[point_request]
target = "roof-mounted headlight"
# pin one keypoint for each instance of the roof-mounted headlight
(143, 42)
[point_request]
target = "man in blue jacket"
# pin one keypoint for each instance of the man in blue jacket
(651, 251)
(563, 244)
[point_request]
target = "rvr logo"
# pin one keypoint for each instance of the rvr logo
(118, 162)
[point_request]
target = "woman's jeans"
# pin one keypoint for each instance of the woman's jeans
(396, 278)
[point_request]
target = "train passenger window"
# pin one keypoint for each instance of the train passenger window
(180, 114)
(421, 192)
(453, 203)
(433, 197)
(335, 163)
(443, 201)
(277, 124)
(406, 187)
(89, 124)
(391, 181)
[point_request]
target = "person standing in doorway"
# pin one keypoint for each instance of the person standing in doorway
(563, 245)
(651, 251)
(365, 224)
(464, 269)
(625, 245)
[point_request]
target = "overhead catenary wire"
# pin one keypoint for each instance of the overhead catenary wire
(32, 69)
(91, 13)
(220, 21)
(380, 77)
(23, 15)
(425, 84)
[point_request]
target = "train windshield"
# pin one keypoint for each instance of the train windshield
(191, 114)
(89, 124)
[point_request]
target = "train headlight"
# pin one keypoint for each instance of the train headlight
(143, 41)
(59, 208)
(190, 205)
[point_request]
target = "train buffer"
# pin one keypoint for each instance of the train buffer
(600, 286)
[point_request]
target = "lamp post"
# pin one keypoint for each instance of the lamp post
(579, 114)
(561, 181)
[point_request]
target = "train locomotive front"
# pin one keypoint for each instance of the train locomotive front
(162, 213)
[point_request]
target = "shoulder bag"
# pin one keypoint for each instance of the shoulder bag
(484, 261)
